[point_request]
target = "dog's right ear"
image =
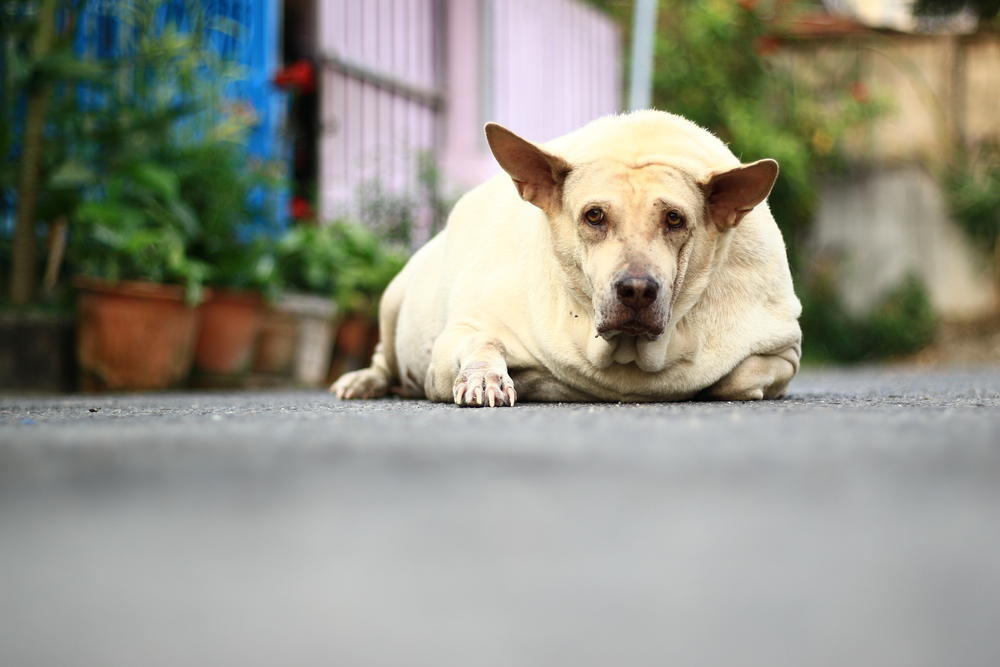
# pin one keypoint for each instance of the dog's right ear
(538, 174)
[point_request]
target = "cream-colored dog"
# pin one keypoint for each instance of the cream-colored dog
(639, 263)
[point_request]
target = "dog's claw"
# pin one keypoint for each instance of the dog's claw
(511, 396)
(482, 388)
(363, 384)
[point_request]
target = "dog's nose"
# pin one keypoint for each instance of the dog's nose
(637, 292)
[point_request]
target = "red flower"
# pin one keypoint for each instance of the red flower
(301, 209)
(299, 77)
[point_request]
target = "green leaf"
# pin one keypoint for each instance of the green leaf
(72, 174)
(64, 66)
(185, 216)
(156, 178)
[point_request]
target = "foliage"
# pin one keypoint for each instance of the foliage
(972, 187)
(229, 198)
(902, 323)
(35, 56)
(139, 230)
(715, 67)
(147, 160)
(342, 259)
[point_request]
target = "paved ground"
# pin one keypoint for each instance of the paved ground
(856, 522)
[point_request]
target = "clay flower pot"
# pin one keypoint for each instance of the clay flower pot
(134, 335)
(231, 322)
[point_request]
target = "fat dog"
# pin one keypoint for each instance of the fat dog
(635, 259)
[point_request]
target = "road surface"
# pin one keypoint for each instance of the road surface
(856, 522)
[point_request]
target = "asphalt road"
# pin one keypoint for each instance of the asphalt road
(856, 522)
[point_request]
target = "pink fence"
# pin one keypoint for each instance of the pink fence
(406, 80)
(548, 66)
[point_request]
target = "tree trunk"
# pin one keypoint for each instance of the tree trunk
(24, 269)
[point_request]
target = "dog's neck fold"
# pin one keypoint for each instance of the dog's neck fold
(648, 355)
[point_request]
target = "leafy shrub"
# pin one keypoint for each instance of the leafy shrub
(342, 259)
(972, 187)
(902, 323)
(139, 230)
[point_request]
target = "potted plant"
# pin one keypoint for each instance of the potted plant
(158, 168)
(226, 193)
(369, 265)
(137, 285)
(329, 273)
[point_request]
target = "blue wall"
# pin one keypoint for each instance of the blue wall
(256, 46)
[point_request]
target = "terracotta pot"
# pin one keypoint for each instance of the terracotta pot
(134, 335)
(230, 325)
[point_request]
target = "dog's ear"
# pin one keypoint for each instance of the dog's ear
(732, 194)
(538, 174)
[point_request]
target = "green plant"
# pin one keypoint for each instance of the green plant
(228, 196)
(717, 65)
(344, 260)
(36, 58)
(902, 323)
(972, 188)
(147, 162)
(140, 229)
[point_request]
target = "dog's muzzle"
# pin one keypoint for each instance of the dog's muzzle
(635, 307)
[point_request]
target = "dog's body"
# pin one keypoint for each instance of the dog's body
(640, 263)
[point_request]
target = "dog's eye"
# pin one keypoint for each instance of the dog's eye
(594, 216)
(675, 220)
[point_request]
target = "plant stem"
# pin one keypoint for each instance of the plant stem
(24, 269)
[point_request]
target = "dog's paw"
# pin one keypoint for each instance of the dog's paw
(478, 386)
(362, 384)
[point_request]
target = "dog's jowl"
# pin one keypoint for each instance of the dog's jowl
(635, 259)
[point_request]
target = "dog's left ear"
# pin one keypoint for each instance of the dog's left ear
(537, 174)
(732, 194)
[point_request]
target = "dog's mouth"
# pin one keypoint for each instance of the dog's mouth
(632, 324)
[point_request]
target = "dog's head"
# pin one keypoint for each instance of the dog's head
(633, 234)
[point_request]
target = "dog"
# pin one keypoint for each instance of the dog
(632, 260)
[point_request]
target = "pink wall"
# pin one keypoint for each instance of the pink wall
(402, 77)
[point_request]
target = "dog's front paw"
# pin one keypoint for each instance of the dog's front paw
(477, 385)
(363, 384)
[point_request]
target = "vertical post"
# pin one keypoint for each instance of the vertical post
(640, 92)
(24, 269)
(487, 71)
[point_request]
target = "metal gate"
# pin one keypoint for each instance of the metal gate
(408, 84)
